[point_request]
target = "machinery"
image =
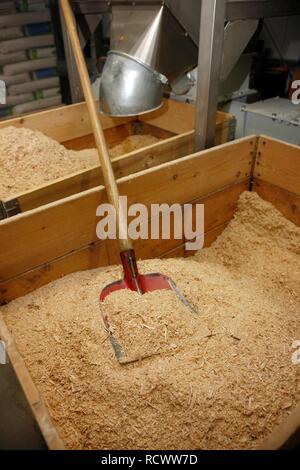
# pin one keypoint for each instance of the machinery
(154, 43)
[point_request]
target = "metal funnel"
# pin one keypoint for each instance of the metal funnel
(149, 48)
(129, 87)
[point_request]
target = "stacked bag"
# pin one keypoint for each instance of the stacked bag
(27, 57)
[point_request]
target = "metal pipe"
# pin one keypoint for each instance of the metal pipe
(212, 18)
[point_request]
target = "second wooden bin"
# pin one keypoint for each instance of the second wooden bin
(173, 124)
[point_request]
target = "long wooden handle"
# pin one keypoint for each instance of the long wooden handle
(108, 174)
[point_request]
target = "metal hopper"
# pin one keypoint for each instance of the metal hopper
(149, 48)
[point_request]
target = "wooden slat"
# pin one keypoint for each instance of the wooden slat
(63, 123)
(116, 135)
(192, 177)
(219, 209)
(113, 136)
(141, 159)
(221, 205)
(225, 132)
(278, 163)
(89, 257)
(67, 123)
(287, 203)
(210, 237)
(38, 407)
(172, 116)
(178, 117)
(177, 252)
(85, 142)
(143, 128)
(52, 231)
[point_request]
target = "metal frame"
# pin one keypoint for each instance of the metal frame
(209, 70)
(210, 53)
(213, 15)
(236, 9)
(242, 9)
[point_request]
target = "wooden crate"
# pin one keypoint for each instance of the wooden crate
(57, 239)
(70, 126)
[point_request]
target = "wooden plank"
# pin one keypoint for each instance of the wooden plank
(38, 407)
(172, 116)
(136, 161)
(287, 203)
(278, 163)
(63, 123)
(221, 205)
(67, 123)
(178, 117)
(51, 231)
(116, 135)
(192, 177)
(90, 257)
(113, 136)
(143, 128)
(210, 237)
(225, 132)
(83, 143)
(219, 209)
(177, 252)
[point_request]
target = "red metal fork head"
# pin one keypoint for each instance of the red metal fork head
(135, 281)
(140, 283)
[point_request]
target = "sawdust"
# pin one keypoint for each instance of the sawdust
(134, 142)
(29, 159)
(144, 329)
(228, 380)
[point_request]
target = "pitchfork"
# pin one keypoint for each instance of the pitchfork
(132, 279)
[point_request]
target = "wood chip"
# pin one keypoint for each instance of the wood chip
(201, 392)
(29, 159)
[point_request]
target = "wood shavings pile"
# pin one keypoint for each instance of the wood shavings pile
(144, 329)
(133, 142)
(29, 159)
(226, 389)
